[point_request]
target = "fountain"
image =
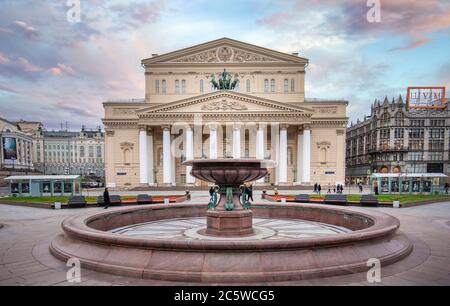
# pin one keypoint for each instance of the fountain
(230, 215)
(229, 240)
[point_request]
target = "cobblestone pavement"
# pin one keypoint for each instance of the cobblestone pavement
(27, 232)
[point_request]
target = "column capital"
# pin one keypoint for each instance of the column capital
(142, 127)
(340, 132)
(166, 127)
(261, 126)
(237, 126)
(284, 126)
(213, 126)
(306, 126)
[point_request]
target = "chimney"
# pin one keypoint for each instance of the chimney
(295, 53)
(154, 54)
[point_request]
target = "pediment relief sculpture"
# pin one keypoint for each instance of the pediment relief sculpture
(224, 105)
(225, 54)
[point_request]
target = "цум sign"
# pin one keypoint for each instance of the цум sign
(426, 97)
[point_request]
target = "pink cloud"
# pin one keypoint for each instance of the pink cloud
(27, 66)
(27, 29)
(4, 59)
(61, 69)
(276, 19)
(414, 19)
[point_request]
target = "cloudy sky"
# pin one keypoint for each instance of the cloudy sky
(52, 70)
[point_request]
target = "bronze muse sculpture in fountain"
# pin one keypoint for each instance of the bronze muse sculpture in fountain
(229, 214)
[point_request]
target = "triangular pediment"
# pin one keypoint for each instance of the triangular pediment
(224, 51)
(225, 102)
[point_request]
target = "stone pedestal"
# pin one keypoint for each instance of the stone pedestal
(229, 223)
(234, 223)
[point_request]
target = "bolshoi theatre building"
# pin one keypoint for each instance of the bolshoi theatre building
(224, 99)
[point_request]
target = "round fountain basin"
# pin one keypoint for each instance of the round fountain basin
(99, 242)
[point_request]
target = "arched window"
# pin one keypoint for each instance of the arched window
(177, 86)
(248, 85)
(183, 86)
(266, 85)
(292, 85)
(286, 85)
(164, 86)
(272, 85)
(157, 86)
(201, 85)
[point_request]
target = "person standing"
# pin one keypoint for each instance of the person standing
(250, 192)
(315, 188)
(106, 198)
(446, 188)
(319, 189)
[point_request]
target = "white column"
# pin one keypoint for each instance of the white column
(299, 156)
(236, 141)
(213, 141)
(282, 165)
(260, 145)
(189, 154)
(143, 161)
(306, 171)
(340, 157)
(167, 156)
(151, 172)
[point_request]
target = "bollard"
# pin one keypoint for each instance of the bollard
(57, 205)
(166, 201)
(283, 200)
(396, 204)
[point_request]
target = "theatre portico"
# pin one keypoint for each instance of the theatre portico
(183, 117)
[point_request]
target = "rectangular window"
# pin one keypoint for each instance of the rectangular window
(415, 156)
(157, 86)
(398, 133)
(416, 145)
(416, 133)
(437, 133)
(164, 86)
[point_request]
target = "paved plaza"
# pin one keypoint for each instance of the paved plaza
(27, 232)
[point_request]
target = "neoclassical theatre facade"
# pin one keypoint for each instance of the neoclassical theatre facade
(264, 116)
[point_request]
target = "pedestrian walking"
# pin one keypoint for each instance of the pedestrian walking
(106, 198)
